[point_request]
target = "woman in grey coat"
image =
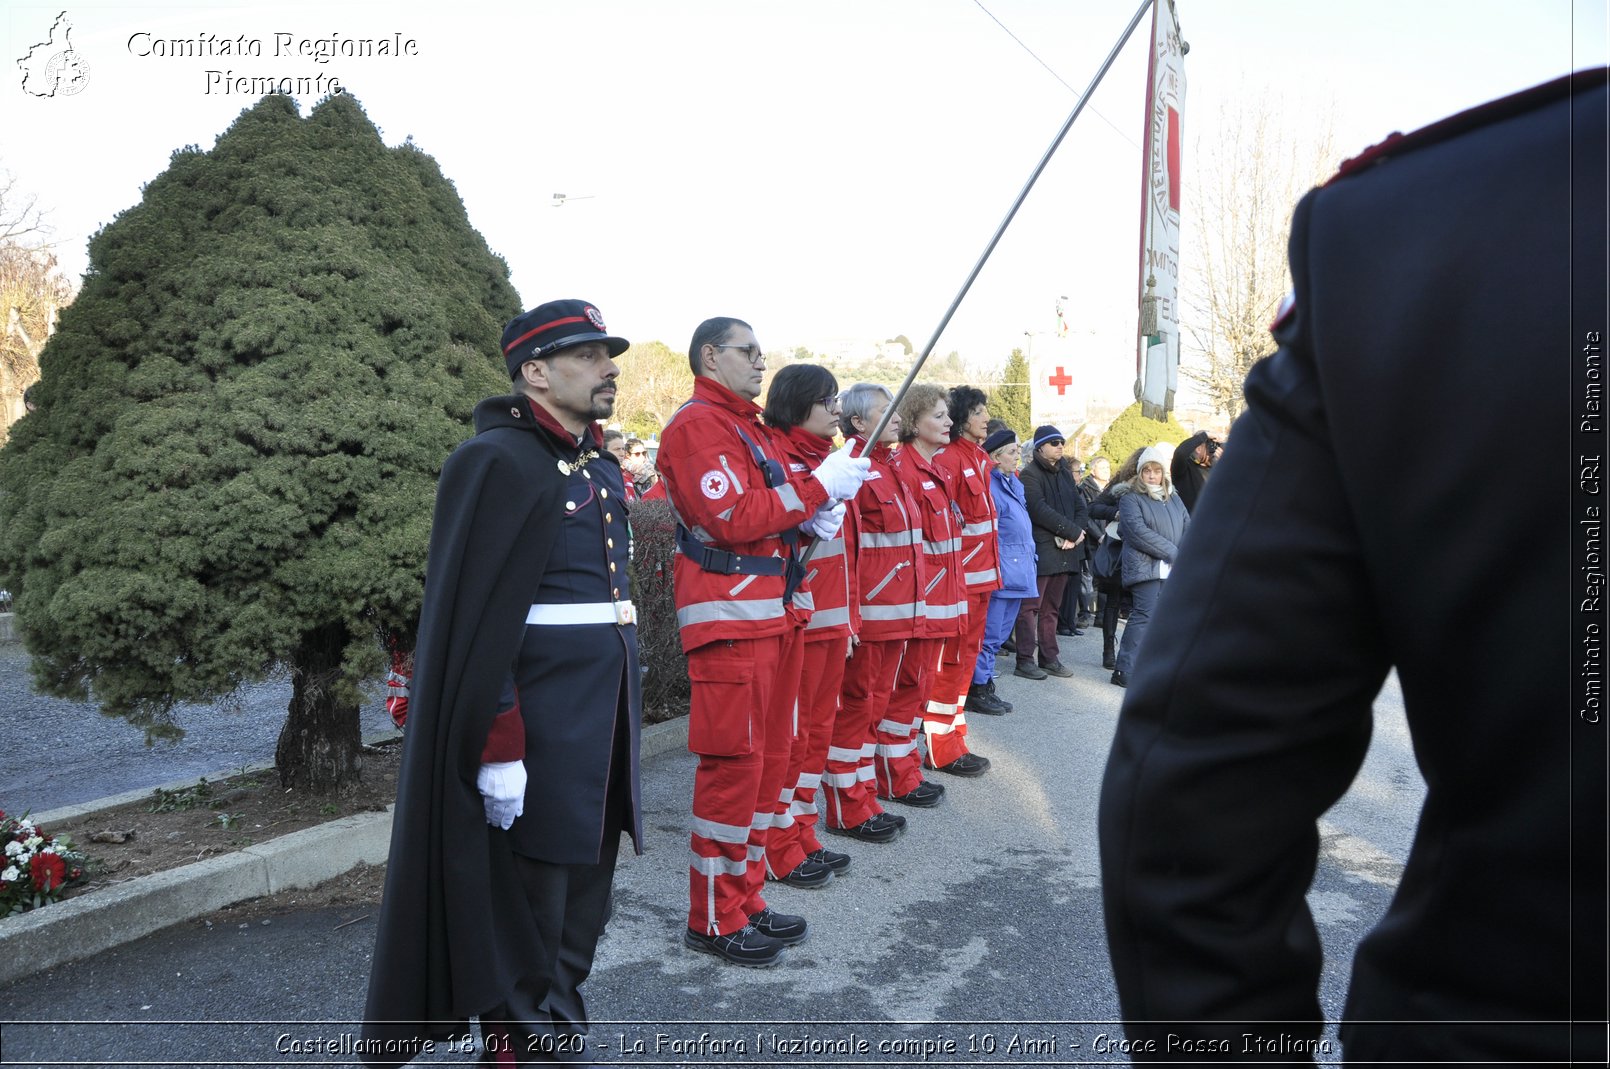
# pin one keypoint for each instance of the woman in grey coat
(1152, 521)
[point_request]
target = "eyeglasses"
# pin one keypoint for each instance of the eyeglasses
(751, 353)
(830, 402)
(636, 453)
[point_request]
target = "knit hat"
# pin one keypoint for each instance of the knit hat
(1004, 436)
(1047, 433)
(1161, 454)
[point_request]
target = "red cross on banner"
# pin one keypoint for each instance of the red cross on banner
(1061, 380)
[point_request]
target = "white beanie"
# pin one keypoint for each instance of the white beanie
(1161, 453)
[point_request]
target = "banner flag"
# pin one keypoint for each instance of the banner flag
(1157, 359)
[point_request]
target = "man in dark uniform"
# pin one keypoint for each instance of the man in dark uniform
(1445, 283)
(520, 766)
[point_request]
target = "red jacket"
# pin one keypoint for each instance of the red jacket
(889, 562)
(830, 580)
(944, 594)
(718, 490)
(968, 467)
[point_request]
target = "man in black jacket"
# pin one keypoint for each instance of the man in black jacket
(1445, 283)
(1057, 510)
(497, 888)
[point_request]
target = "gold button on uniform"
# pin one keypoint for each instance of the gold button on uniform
(608, 517)
(570, 506)
(602, 492)
(611, 565)
(610, 542)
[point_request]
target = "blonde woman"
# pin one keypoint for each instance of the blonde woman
(1152, 521)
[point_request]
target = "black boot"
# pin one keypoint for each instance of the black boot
(993, 693)
(1109, 658)
(980, 699)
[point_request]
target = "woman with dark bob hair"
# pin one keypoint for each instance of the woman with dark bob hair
(802, 410)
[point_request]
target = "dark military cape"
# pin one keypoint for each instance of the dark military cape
(455, 931)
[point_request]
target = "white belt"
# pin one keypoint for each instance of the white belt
(595, 612)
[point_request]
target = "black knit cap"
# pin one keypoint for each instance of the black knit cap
(550, 327)
(1004, 436)
(1047, 433)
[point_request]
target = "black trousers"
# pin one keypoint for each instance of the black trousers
(545, 1018)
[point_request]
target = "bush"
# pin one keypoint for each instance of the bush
(666, 689)
(1132, 431)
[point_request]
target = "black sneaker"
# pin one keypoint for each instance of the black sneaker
(968, 764)
(786, 928)
(1029, 671)
(883, 828)
(1085, 622)
(831, 858)
(748, 946)
(808, 873)
(1058, 669)
(924, 795)
(981, 700)
(1119, 679)
(994, 694)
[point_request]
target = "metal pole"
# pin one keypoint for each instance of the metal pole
(911, 376)
(916, 368)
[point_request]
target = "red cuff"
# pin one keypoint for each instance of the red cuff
(506, 740)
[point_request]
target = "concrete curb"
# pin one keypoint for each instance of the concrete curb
(84, 926)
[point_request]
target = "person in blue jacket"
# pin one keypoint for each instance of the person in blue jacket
(1016, 534)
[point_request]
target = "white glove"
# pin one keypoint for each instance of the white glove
(841, 474)
(502, 787)
(826, 521)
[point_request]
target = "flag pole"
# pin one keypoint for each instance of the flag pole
(916, 368)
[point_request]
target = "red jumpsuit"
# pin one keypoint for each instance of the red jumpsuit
(890, 572)
(739, 637)
(944, 615)
(831, 594)
(945, 721)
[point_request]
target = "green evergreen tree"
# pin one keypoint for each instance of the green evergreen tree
(242, 420)
(1010, 400)
(1131, 431)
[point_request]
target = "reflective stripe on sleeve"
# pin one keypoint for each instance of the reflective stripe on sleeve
(973, 578)
(711, 867)
(886, 539)
(789, 497)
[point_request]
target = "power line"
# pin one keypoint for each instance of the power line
(1053, 73)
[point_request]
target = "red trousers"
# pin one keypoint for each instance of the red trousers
(896, 758)
(848, 793)
(793, 829)
(944, 720)
(741, 724)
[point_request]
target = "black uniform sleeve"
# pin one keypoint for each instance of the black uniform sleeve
(1248, 716)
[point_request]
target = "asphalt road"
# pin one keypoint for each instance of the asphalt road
(64, 752)
(986, 915)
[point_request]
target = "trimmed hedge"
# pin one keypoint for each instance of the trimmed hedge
(659, 644)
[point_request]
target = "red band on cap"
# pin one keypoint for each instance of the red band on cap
(545, 326)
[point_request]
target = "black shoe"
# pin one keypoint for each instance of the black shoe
(786, 928)
(1119, 679)
(1109, 660)
(883, 828)
(968, 764)
(990, 686)
(748, 946)
(981, 700)
(1058, 669)
(1029, 671)
(808, 873)
(831, 858)
(1085, 621)
(1068, 632)
(924, 795)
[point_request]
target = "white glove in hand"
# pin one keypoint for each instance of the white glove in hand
(826, 521)
(841, 474)
(502, 787)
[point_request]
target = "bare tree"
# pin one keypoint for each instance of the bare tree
(655, 381)
(32, 291)
(1250, 172)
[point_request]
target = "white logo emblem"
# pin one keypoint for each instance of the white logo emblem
(595, 317)
(714, 484)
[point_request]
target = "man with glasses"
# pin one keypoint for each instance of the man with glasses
(498, 886)
(739, 512)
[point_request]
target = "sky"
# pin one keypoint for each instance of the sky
(829, 170)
